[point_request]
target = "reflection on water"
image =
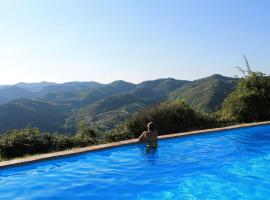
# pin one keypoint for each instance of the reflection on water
(150, 154)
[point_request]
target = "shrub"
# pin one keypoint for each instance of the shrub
(61, 142)
(28, 141)
(85, 131)
(22, 142)
(85, 135)
(169, 117)
(250, 101)
(118, 134)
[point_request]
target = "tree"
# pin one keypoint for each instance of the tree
(169, 117)
(251, 99)
(84, 131)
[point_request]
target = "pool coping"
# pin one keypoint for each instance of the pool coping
(75, 151)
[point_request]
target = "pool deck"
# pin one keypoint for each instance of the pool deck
(74, 151)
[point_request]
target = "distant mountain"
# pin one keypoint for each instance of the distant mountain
(106, 113)
(14, 92)
(157, 90)
(20, 113)
(61, 107)
(147, 94)
(163, 85)
(112, 103)
(34, 87)
(122, 86)
(207, 94)
(86, 96)
(73, 96)
(44, 90)
(128, 98)
(3, 86)
(69, 87)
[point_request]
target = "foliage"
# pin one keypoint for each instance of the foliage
(85, 135)
(28, 141)
(169, 117)
(117, 134)
(250, 101)
(85, 131)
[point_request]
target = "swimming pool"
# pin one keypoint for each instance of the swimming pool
(232, 164)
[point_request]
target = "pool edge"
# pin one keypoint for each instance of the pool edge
(76, 151)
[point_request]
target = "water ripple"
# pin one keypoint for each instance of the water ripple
(226, 165)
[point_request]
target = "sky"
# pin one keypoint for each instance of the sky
(132, 40)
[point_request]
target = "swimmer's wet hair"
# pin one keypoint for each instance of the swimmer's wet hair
(151, 126)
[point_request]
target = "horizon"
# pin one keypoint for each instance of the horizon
(103, 41)
(83, 81)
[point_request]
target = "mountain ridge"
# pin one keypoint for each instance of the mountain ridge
(103, 106)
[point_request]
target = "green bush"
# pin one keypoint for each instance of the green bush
(250, 101)
(18, 143)
(61, 142)
(115, 137)
(28, 141)
(85, 131)
(85, 136)
(119, 133)
(169, 117)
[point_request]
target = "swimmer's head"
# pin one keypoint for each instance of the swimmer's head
(150, 126)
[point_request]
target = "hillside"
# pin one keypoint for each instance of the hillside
(207, 94)
(68, 87)
(20, 113)
(108, 112)
(34, 87)
(104, 106)
(163, 85)
(45, 91)
(13, 92)
(3, 86)
(81, 96)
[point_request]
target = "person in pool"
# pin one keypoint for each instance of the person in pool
(150, 136)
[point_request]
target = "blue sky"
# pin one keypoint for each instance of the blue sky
(132, 40)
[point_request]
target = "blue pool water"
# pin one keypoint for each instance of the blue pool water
(232, 164)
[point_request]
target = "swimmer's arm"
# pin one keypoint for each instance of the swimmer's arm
(143, 136)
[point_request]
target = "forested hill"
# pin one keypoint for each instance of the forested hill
(207, 94)
(10, 93)
(61, 107)
(23, 112)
